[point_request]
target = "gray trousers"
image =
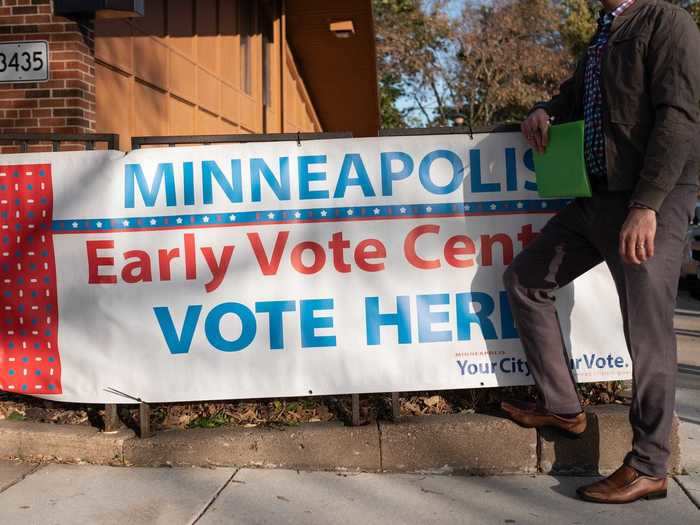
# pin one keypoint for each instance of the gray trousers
(579, 237)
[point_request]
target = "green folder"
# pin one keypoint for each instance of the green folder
(561, 169)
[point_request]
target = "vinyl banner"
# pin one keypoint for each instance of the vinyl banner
(279, 269)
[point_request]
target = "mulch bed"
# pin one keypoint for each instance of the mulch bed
(290, 411)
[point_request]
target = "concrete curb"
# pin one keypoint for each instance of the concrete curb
(314, 446)
(463, 443)
(38, 442)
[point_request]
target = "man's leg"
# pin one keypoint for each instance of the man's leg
(557, 256)
(647, 299)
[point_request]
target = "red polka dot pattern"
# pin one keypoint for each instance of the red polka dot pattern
(29, 359)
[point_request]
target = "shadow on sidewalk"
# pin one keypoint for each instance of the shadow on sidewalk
(563, 457)
(567, 485)
(560, 454)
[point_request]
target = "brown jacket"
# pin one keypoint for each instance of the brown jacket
(650, 81)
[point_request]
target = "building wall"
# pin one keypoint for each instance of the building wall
(299, 114)
(177, 71)
(66, 102)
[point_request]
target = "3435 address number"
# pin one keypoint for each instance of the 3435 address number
(24, 61)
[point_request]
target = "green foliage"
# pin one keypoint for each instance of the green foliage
(308, 403)
(389, 94)
(217, 420)
(694, 9)
(15, 416)
(411, 36)
(692, 6)
(578, 24)
(396, 7)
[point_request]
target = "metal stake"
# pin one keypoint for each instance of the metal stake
(145, 420)
(395, 406)
(111, 418)
(355, 410)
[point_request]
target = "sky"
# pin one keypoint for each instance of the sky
(455, 7)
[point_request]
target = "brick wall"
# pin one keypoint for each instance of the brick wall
(66, 102)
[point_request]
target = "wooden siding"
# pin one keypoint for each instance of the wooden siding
(177, 71)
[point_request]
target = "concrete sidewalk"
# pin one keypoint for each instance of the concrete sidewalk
(687, 323)
(77, 494)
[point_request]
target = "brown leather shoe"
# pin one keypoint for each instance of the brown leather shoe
(528, 415)
(625, 485)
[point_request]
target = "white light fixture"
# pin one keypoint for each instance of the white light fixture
(343, 29)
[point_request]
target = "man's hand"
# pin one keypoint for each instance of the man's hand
(637, 236)
(536, 130)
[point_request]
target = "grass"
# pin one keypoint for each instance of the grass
(16, 416)
(217, 420)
